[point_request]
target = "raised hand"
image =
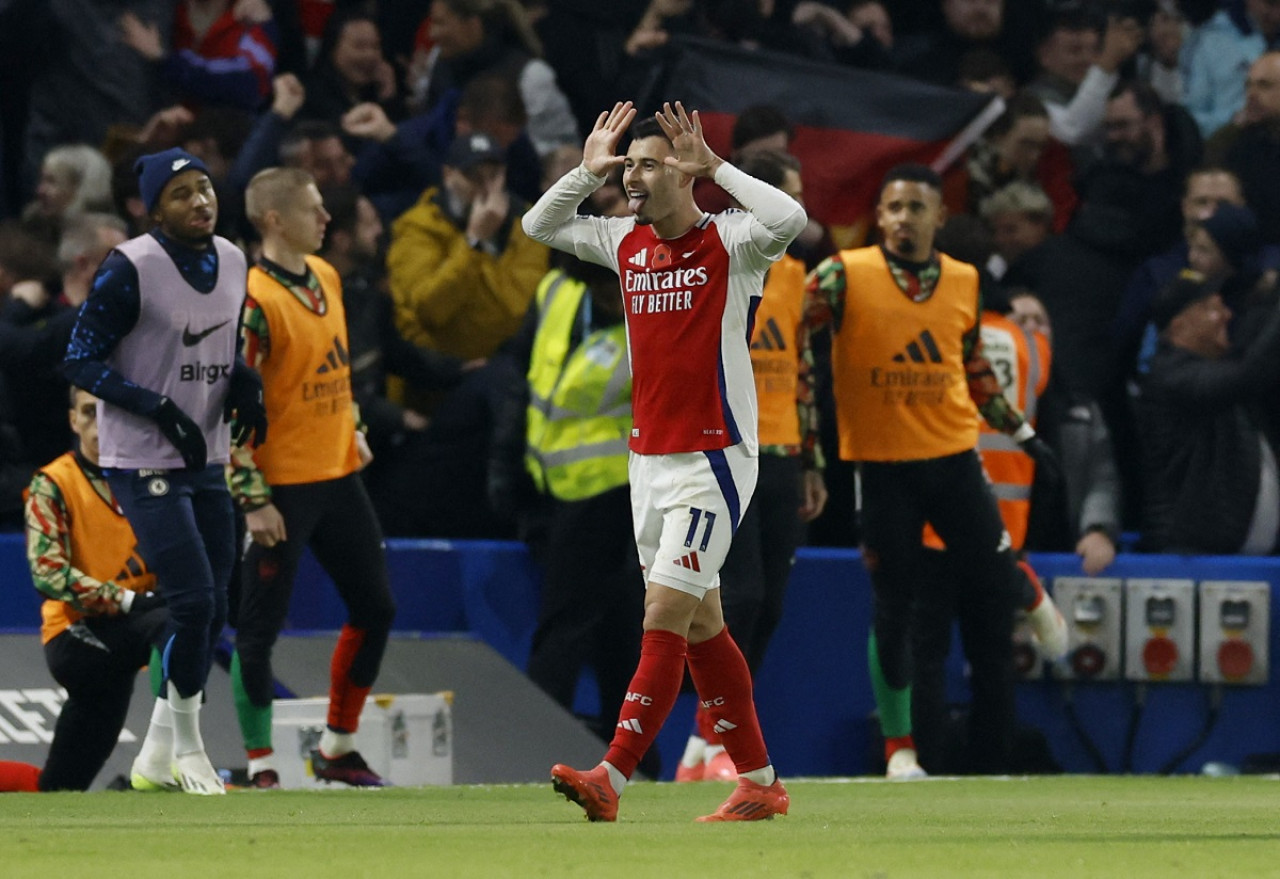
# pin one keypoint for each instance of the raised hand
(599, 152)
(693, 156)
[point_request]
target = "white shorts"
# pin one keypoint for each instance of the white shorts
(685, 508)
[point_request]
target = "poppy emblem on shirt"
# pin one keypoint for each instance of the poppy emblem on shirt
(661, 256)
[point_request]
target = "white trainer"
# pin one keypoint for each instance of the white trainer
(903, 766)
(1049, 629)
(196, 774)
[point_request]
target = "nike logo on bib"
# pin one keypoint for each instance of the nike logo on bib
(189, 338)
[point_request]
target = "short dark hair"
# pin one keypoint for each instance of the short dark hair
(1071, 18)
(493, 97)
(769, 166)
(1147, 98)
(647, 126)
(911, 172)
(1023, 105)
(759, 121)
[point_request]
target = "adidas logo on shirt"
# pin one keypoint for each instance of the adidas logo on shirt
(916, 355)
(769, 338)
(639, 259)
(335, 359)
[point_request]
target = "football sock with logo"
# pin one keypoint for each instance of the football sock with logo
(255, 720)
(721, 676)
(18, 778)
(894, 704)
(650, 697)
(346, 700)
(707, 726)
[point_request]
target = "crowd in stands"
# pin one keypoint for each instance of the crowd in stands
(1140, 141)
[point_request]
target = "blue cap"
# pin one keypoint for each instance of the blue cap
(157, 169)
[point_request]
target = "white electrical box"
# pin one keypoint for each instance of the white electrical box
(1093, 608)
(405, 738)
(1235, 617)
(1160, 630)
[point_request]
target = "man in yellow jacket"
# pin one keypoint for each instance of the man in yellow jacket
(461, 269)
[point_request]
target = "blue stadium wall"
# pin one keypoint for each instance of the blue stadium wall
(813, 691)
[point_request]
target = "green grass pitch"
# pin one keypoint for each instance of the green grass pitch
(1073, 826)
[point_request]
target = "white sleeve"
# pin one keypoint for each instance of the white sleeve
(1078, 121)
(554, 221)
(551, 122)
(777, 217)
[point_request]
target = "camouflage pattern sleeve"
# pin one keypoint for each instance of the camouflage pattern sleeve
(807, 406)
(248, 486)
(824, 296)
(255, 335)
(984, 387)
(49, 554)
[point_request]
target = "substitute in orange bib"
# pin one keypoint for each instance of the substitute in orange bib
(302, 487)
(1021, 361)
(101, 621)
(909, 383)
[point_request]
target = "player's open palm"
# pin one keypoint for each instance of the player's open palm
(599, 152)
(693, 156)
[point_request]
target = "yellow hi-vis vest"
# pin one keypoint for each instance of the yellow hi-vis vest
(579, 416)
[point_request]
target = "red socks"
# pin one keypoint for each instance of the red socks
(18, 778)
(723, 681)
(897, 743)
(346, 700)
(706, 726)
(650, 697)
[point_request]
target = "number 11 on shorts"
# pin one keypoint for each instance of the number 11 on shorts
(695, 516)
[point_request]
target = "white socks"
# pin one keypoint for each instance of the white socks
(616, 779)
(335, 744)
(695, 751)
(261, 764)
(186, 722)
(763, 777)
(157, 746)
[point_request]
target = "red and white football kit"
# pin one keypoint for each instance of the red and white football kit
(689, 303)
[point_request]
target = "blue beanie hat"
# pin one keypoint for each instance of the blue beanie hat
(157, 169)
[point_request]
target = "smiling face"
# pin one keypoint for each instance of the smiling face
(654, 190)
(358, 52)
(909, 215)
(187, 209)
